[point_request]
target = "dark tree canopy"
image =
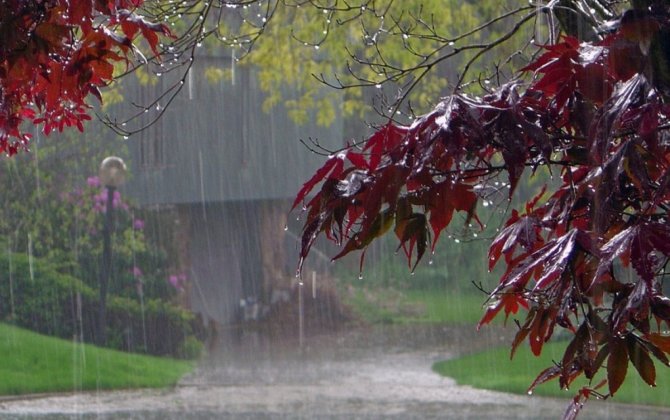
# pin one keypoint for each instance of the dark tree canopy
(589, 253)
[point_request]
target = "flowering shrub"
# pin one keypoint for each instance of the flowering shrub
(138, 266)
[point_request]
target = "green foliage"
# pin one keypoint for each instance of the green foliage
(50, 212)
(33, 200)
(34, 295)
(314, 41)
(191, 348)
(33, 363)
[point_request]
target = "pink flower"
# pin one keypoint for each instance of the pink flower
(93, 181)
(178, 281)
(137, 272)
(116, 200)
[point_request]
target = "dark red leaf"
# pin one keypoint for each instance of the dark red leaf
(490, 313)
(593, 83)
(445, 198)
(521, 334)
(577, 404)
(567, 48)
(660, 307)
(610, 114)
(413, 231)
(332, 168)
(384, 140)
(657, 352)
(639, 356)
(638, 244)
(357, 159)
(544, 376)
(549, 262)
(617, 364)
(525, 231)
(659, 340)
(510, 301)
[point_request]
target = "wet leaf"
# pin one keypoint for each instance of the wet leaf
(639, 356)
(524, 231)
(617, 364)
(332, 168)
(659, 340)
(545, 376)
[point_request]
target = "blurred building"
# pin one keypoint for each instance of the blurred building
(228, 171)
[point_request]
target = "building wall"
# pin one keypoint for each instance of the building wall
(230, 169)
(215, 143)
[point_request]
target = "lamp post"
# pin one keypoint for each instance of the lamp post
(112, 175)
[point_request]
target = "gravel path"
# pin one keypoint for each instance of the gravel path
(366, 374)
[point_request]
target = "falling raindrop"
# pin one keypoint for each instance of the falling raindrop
(30, 258)
(11, 279)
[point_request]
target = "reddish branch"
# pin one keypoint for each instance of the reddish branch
(588, 255)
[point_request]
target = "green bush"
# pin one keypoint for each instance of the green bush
(36, 296)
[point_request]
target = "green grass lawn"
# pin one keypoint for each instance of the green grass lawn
(446, 307)
(33, 363)
(391, 306)
(492, 369)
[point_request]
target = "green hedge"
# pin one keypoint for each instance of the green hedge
(37, 297)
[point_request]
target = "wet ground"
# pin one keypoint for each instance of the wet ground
(380, 373)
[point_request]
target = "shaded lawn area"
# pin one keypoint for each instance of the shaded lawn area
(33, 363)
(447, 307)
(391, 306)
(492, 369)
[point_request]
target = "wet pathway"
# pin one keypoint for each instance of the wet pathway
(363, 374)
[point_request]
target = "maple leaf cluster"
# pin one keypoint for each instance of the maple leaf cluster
(588, 255)
(55, 54)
